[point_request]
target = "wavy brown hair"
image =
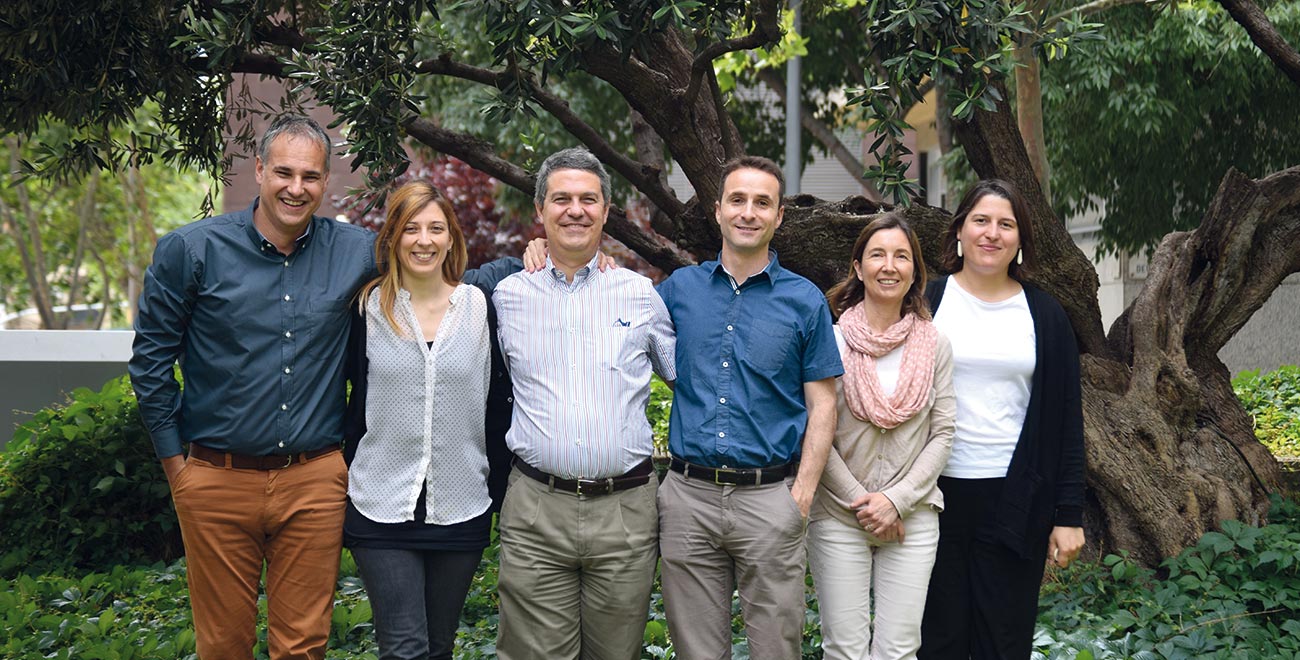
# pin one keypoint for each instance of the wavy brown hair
(851, 291)
(409, 201)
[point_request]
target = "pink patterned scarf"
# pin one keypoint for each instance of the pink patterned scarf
(862, 390)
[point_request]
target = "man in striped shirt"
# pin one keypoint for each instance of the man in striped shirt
(579, 525)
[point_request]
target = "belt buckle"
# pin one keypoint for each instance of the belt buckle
(717, 475)
(577, 488)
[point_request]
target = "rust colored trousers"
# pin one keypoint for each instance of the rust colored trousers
(235, 522)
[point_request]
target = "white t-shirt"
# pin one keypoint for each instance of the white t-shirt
(993, 357)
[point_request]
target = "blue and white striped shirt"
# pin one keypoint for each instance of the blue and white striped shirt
(580, 355)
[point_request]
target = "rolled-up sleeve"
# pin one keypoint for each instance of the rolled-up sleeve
(166, 302)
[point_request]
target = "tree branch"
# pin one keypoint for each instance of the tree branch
(479, 153)
(651, 248)
(728, 133)
(824, 134)
(259, 63)
(482, 156)
(643, 178)
(767, 28)
(1265, 36)
(1088, 8)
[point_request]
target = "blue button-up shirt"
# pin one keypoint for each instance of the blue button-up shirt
(260, 336)
(743, 355)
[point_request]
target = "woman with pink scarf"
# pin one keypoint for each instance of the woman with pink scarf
(874, 524)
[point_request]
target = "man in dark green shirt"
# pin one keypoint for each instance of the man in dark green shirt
(254, 307)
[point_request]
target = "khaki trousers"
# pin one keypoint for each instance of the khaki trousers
(715, 539)
(576, 572)
(235, 521)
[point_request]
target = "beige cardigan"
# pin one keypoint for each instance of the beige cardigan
(903, 463)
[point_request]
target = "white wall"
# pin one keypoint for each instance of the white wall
(41, 367)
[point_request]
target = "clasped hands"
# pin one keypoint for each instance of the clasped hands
(879, 517)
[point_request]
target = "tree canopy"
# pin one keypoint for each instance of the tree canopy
(1147, 120)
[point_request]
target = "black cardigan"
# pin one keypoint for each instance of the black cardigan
(1045, 480)
(500, 398)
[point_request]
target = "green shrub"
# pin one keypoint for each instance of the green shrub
(658, 410)
(80, 486)
(1235, 594)
(1273, 400)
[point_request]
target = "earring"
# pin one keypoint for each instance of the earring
(1020, 256)
(959, 247)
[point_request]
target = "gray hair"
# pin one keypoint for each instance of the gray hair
(573, 158)
(298, 126)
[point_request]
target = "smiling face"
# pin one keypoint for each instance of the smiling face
(886, 268)
(990, 236)
(291, 184)
(423, 245)
(749, 212)
(573, 214)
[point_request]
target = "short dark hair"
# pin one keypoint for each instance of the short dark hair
(299, 125)
(1006, 190)
(752, 163)
(573, 158)
(851, 291)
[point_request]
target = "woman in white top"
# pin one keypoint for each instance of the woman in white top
(420, 507)
(874, 524)
(1014, 482)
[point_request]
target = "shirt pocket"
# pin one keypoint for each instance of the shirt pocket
(327, 325)
(609, 344)
(768, 344)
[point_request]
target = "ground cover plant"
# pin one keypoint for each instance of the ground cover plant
(1235, 594)
(1273, 401)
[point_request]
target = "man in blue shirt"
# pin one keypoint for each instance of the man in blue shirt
(752, 422)
(254, 305)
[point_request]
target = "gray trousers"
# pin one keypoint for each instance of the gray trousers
(576, 572)
(717, 539)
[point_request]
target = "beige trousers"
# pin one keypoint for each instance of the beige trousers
(576, 572)
(719, 539)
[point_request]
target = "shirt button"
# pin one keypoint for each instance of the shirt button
(578, 441)
(721, 434)
(287, 298)
(288, 333)
(284, 406)
(288, 370)
(722, 400)
(737, 291)
(729, 328)
(725, 364)
(286, 263)
(281, 443)
(510, 399)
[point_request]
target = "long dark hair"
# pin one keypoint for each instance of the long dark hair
(851, 291)
(1006, 190)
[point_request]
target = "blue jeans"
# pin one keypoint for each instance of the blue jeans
(416, 597)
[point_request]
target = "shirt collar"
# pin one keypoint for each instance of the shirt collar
(771, 271)
(581, 275)
(260, 241)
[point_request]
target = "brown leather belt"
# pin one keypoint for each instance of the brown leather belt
(734, 476)
(246, 462)
(637, 476)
